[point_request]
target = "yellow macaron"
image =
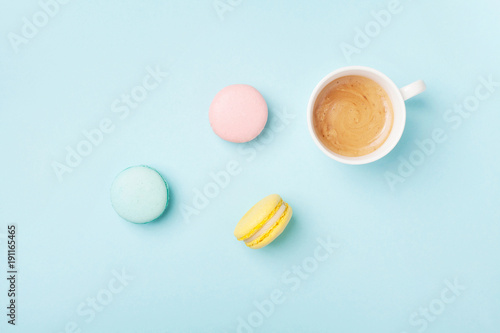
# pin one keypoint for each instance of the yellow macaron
(265, 221)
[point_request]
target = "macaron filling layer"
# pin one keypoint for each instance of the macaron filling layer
(268, 226)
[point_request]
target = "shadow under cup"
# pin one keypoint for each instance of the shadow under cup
(398, 106)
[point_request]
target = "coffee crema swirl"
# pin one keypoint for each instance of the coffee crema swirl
(353, 116)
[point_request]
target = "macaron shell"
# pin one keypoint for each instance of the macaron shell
(275, 231)
(139, 194)
(257, 216)
(238, 113)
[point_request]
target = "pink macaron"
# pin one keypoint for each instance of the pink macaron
(238, 113)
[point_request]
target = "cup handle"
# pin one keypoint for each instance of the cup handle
(412, 89)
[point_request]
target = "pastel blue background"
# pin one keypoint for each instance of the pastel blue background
(397, 246)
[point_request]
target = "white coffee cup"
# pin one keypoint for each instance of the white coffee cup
(398, 97)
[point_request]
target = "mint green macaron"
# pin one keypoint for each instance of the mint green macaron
(139, 194)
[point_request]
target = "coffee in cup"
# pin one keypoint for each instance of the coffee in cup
(388, 127)
(353, 116)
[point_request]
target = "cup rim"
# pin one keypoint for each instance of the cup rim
(396, 133)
